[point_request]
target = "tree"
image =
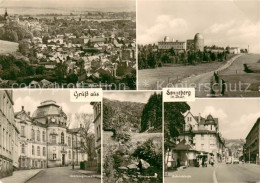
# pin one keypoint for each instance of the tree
(88, 142)
(152, 113)
(151, 61)
(39, 70)
(72, 78)
(60, 71)
(173, 120)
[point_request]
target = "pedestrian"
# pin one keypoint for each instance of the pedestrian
(140, 166)
(216, 78)
(223, 87)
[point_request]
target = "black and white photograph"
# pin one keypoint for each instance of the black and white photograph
(210, 45)
(212, 140)
(44, 137)
(132, 137)
(68, 44)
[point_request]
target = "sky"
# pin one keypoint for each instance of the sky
(129, 96)
(221, 22)
(236, 116)
(30, 99)
(107, 5)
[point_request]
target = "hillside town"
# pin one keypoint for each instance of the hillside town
(95, 49)
(31, 143)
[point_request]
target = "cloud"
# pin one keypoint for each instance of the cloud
(240, 128)
(28, 102)
(164, 25)
(236, 33)
(87, 108)
(214, 112)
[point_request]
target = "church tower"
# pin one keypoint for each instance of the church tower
(6, 14)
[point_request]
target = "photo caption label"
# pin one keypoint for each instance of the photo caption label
(86, 95)
(178, 94)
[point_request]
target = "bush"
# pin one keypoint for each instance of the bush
(82, 165)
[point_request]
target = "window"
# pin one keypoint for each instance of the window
(69, 155)
(22, 131)
(44, 151)
(53, 140)
(38, 135)
(38, 151)
(43, 136)
(202, 146)
(33, 150)
(202, 137)
(54, 156)
(69, 141)
(23, 148)
(33, 134)
(62, 138)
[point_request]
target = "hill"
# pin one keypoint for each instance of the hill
(122, 115)
(235, 146)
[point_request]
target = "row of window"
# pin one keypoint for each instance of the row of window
(6, 106)
(5, 139)
(33, 134)
(53, 139)
(33, 150)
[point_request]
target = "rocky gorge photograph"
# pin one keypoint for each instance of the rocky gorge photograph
(132, 137)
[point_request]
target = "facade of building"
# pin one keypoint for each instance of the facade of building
(45, 139)
(234, 50)
(200, 137)
(9, 135)
(97, 127)
(252, 145)
(167, 44)
(190, 44)
(198, 42)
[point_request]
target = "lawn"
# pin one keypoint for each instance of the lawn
(236, 74)
(148, 78)
(8, 47)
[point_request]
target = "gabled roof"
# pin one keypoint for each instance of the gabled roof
(183, 146)
(22, 112)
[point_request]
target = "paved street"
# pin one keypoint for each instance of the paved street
(221, 173)
(20, 176)
(62, 175)
(202, 81)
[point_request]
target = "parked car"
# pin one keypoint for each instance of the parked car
(235, 161)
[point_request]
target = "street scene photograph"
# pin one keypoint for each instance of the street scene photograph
(68, 43)
(44, 137)
(212, 46)
(212, 140)
(132, 137)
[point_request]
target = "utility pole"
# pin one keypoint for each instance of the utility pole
(249, 154)
(72, 153)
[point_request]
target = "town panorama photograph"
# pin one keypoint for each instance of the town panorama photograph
(44, 137)
(210, 45)
(68, 44)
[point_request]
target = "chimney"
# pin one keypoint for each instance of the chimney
(199, 118)
(22, 108)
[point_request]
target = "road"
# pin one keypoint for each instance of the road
(62, 175)
(201, 82)
(222, 173)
